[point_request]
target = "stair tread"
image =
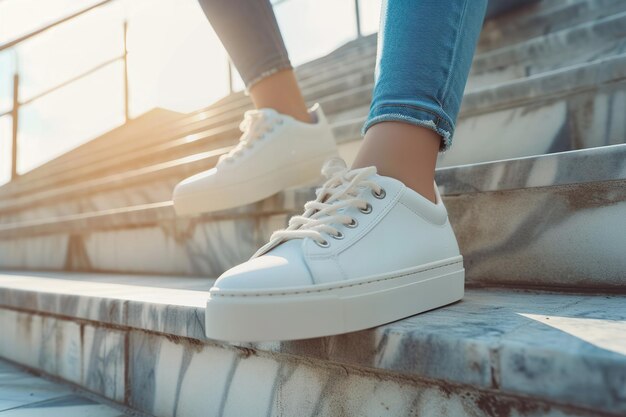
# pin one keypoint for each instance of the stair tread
(513, 27)
(606, 163)
(541, 87)
(510, 340)
(605, 28)
(503, 212)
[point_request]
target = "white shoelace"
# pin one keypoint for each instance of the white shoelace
(322, 215)
(255, 124)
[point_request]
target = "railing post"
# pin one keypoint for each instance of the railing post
(125, 58)
(357, 16)
(230, 76)
(15, 121)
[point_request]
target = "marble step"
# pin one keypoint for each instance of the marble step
(542, 18)
(577, 107)
(586, 42)
(551, 221)
(581, 106)
(139, 341)
(590, 33)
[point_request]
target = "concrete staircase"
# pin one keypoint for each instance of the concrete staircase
(535, 186)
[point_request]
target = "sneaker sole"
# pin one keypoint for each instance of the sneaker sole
(331, 309)
(256, 189)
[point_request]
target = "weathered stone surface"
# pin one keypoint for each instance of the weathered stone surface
(560, 353)
(570, 236)
(249, 383)
(601, 164)
(583, 43)
(172, 305)
(546, 16)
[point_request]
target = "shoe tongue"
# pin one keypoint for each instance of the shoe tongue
(287, 247)
(267, 112)
(333, 166)
(254, 119)
(291, 244)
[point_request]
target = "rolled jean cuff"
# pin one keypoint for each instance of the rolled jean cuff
(265, 69)
(417, 116)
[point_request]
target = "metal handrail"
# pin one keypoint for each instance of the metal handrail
(14, 112)
(21, 39)
(67, 82)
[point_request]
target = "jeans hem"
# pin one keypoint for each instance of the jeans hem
(432, 122)
(274, 67)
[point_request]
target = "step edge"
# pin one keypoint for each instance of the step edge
(116, 312)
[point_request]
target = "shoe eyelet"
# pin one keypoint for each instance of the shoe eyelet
(367, 209)
(338, 236)
(352, 224)
(380, 195)
(322, 244)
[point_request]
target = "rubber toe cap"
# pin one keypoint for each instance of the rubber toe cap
(282, 267)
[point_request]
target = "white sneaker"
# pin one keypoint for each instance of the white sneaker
(367, 251)
(275, 152)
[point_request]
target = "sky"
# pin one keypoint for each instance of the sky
(175, 62)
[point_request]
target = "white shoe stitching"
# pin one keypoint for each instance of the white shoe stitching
(312, 290)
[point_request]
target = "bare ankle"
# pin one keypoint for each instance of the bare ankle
(280, 91)
(402, 151)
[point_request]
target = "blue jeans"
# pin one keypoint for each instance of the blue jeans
(425, 50)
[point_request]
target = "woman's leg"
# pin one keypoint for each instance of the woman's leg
(250, 33)
(425, 50)
(282, 143)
